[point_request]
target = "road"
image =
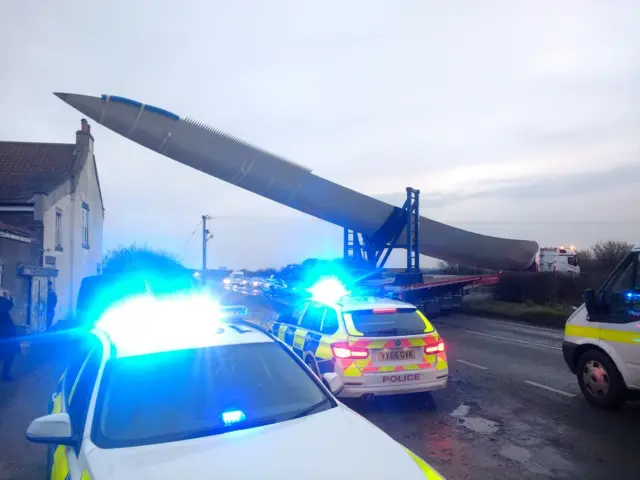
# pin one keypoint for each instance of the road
(511, 411)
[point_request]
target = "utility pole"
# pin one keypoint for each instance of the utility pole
(206, 236)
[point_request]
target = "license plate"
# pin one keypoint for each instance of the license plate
(396, 355)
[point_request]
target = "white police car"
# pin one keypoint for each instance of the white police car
(195, 396)
(377, 346)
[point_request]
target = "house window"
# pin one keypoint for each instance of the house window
(58, 230)
(85, 225)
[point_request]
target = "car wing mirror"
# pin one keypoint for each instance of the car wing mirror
(333, 382)
(589, 298)
(51, 429)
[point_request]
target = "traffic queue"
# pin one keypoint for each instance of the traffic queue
(174, 385)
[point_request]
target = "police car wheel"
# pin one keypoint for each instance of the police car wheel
(600, 381)
(312, 365)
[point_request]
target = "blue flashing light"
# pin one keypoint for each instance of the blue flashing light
(633, 296)
(233, 416)
(146, 324)
(328, 290)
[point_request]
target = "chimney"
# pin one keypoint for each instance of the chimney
(84, 126)
(84, 146)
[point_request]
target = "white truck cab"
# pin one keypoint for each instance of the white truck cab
(602, 337)
(558, 260)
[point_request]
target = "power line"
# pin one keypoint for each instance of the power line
(192, 234)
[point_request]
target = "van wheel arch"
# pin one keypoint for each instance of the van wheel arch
(616, 386)
(582, 349)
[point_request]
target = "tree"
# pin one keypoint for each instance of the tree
(136, 259)
(608, 254)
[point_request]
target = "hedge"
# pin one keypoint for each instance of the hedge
(548, 315)
(544, 288)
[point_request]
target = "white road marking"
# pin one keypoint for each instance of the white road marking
(551, 389)
(513, 340)
(474, 365)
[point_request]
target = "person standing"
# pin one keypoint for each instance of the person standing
(52, 301)
(9, 343)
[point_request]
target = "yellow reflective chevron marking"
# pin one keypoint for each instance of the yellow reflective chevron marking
(608, 334)
(429, 473)
(85, 476)
(57, 404)
(620, 336)
(428, 328)
(60, 468)
(580, 331)
(282, 329)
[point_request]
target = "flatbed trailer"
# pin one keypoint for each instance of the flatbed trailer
(435, 294)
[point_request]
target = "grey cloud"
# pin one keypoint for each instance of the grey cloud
(550, 186)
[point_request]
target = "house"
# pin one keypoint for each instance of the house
(51, 219)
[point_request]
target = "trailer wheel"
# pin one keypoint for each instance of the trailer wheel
(431, 309)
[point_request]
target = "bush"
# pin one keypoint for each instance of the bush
(549, 315)
(138, 259)
(544, 288)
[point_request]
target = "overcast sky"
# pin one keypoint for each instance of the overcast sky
(515, 119)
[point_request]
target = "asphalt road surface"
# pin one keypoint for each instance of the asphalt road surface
(511, 411)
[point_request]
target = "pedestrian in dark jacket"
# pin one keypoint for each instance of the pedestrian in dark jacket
(52, 300)
(9, 343)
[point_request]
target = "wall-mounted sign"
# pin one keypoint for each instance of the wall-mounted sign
(50, 260)
(35, 271)
(13, 236)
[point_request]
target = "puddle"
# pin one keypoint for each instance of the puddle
(475, 424)
(479, 425)
(524, 458)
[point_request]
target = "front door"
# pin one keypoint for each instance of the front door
(619, 316)
(38, 304)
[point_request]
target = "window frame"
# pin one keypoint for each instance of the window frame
(85, 225)
(314, 305)
(604, 294)
(70, 386)
(337, 317)
(58, 231)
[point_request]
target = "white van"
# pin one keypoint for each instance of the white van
(602, 337)
(558, 260)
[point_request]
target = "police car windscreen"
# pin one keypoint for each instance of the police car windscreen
(388, 322)
(186, 394)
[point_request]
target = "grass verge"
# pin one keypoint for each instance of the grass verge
(553, 316)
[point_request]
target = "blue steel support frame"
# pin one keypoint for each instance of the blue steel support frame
(358, 247)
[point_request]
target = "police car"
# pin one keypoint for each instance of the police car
(602, 337)
(377, 346)
(168, 388)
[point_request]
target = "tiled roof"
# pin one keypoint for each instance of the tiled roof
(15, 230)
(29, 168)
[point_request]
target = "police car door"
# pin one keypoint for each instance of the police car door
(619, 316)
(78, 385)
(322, 345)
(309, 328)
(285, 327)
